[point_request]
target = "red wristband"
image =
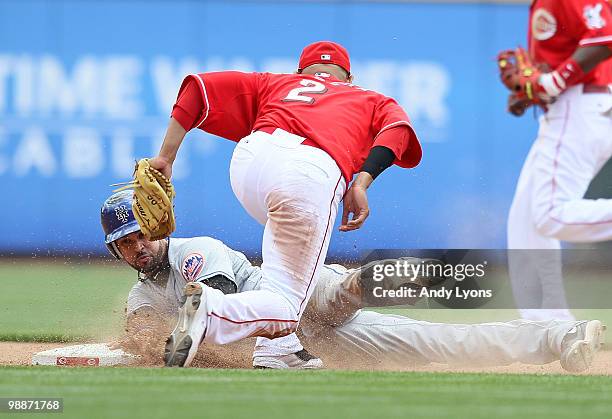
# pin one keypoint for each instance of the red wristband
(567, 74)
(570, 71)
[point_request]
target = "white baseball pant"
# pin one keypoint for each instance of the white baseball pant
(574, 142)
(390, 338)
(384, 338)
(293, 190)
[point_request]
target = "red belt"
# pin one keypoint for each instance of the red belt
(270, 130)
(596, 88)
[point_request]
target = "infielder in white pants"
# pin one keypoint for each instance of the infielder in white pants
(573, 39)
(165, 267)
(301, 139)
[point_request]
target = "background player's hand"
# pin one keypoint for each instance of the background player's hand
(356, 203)
(163, 165)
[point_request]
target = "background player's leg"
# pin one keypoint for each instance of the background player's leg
(400, 339)
(526, 285)
(536, 277)
(574, 143)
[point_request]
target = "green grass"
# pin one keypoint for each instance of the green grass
(164, 393)
(74, 301)
(55, 301)
(62, 301)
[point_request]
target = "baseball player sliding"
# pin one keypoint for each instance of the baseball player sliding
(567, 71)
(166, 266)
(301, 139)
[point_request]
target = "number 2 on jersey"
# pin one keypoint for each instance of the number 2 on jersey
(300, 94)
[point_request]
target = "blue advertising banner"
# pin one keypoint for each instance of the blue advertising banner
(86, 88)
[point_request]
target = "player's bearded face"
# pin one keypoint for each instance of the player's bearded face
(141, 254)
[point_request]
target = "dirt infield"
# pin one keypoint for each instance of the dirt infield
(20, 353)
(239, 356)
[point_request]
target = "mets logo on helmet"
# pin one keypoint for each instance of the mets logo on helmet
(192, 266)
(122, 213)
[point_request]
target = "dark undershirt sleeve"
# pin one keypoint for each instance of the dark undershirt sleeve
(220, 282)
(379, 159)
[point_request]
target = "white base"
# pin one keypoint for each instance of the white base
(90, 355)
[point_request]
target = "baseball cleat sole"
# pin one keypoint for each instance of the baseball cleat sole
(579, 356)
(275, 364)
(301, 360)
(183, 343)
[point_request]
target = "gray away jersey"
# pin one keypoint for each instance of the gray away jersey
(193, 259)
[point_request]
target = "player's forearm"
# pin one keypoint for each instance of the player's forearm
(573, 70)
(186, 113)
(588, 57)
(172, 141)
(363, 180)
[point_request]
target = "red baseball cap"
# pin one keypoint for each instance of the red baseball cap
(325, 52)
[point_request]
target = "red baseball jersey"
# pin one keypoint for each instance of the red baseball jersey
(343, 119)
(558, 27)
